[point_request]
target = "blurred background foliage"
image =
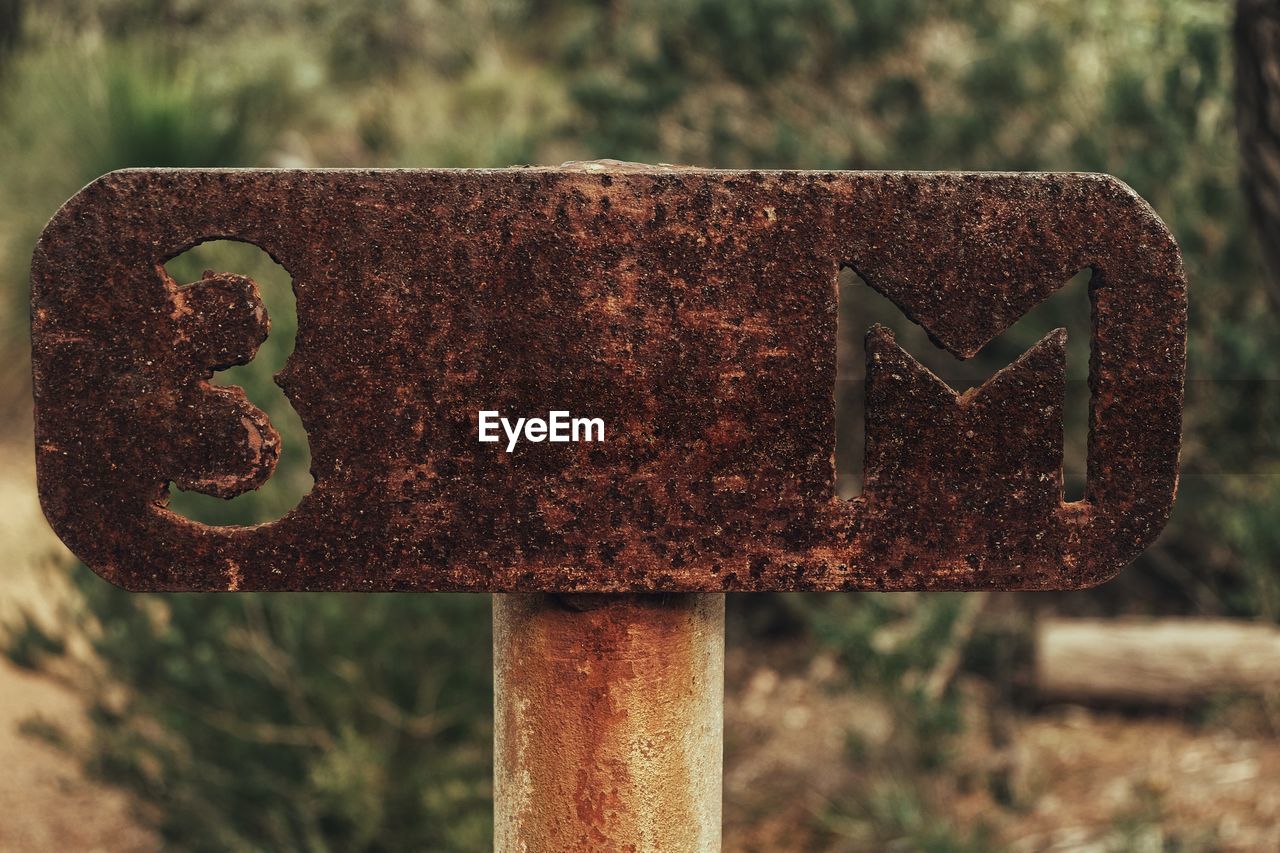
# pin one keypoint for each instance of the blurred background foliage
(361, 722)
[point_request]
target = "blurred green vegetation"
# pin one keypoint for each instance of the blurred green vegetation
(313, 722)
(360, 722)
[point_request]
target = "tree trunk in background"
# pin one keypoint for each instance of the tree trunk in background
(11, 17)
(1163, 661)
(1257, 49)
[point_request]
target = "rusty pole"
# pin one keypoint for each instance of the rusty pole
(608, 722)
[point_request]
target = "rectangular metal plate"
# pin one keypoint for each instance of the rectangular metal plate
(693, 311)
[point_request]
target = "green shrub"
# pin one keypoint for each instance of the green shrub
(291, 721)
(76, 111)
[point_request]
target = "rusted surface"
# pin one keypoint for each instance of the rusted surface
(608, 722)
(693, 311)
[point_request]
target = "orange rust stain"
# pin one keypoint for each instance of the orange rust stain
(604, 740)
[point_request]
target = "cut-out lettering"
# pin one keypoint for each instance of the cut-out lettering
(692, 311)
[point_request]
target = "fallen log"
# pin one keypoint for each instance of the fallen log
(1162, 661)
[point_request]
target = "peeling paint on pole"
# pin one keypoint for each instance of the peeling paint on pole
(608, 714)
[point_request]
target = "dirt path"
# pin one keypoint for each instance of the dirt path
(48, 803)
(1105, 781)
(1063, 779)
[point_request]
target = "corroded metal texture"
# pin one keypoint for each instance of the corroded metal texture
(693, 311)
(608, 722)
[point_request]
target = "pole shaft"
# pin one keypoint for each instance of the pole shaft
(608, 722)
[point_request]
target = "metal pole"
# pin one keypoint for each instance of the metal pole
(608, 722)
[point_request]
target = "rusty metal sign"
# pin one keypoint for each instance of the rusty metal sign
(683, 324)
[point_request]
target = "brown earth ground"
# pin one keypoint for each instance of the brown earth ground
(808, 764)
(807, 761)
(48, 804)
